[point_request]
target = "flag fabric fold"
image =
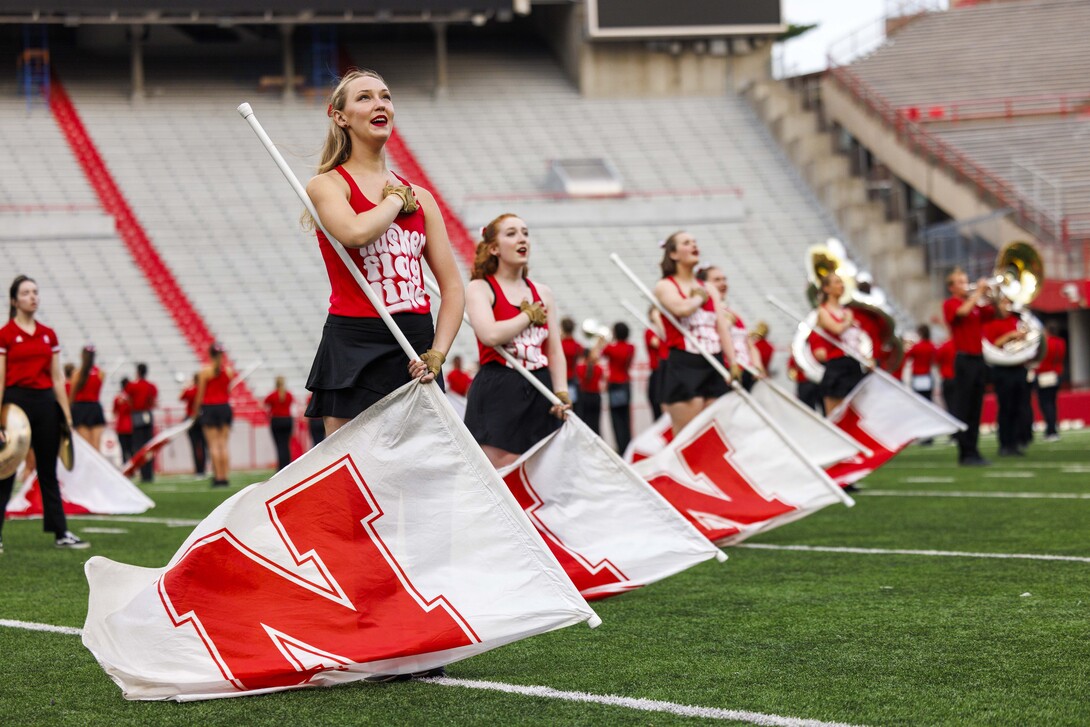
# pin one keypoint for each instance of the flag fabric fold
(732, 476)
(392, 547)
(886, 417)
(650, 441)
(609, 529)
(149, 450)
(821, 444)
(93, 486)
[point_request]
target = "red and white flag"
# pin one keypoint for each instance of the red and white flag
(732, 476)
(392, 547)
(93, 486)
(886, 417)
(149, 450)
(815, 438)
(608, 528)
(650, 441)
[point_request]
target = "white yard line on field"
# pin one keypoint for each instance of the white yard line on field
(643, 705)
(930, 553)
(963, 493)
(172, 522)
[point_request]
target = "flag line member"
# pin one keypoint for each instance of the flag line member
(507, 309)
(690, 384)
(745, 352)
(842, 372)
(31, 378)
(212, 408)
(388, 226)
(88, 417)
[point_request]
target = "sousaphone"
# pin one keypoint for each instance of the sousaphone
(17, 443)
(1019, 274)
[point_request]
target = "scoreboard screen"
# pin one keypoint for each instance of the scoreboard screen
(683, 18)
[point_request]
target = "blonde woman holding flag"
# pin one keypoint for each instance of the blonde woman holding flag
(389, 227)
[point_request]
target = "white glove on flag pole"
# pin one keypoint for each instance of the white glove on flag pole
(392, 547)
(606, 526)
(94, 486)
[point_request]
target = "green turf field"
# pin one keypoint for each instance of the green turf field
(856, 637)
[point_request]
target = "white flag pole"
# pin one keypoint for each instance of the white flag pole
(113, 370)
(822, 475)
(779, 391)
(247, 113)
(239, 378)
(851, 351)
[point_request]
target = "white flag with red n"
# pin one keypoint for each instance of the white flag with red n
(886, 417)
(732, 475)
(608, 528)
(393, 547)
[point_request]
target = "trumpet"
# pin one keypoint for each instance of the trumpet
(595, 330)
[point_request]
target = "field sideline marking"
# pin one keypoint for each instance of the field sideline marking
(899, 551)
(963, 493)
(645, 705)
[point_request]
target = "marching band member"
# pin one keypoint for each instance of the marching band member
(572, 352)
(143, 396)
(944, 359)
(197, 443)
(122, 410)
(765, 351)
(619, 354)
(657, 352)
(278, 403)
(504, 413)
(371, 210)
(212, 409)
(922, 356)
(31, 378)
(965, 313)
(1049, 374)
(458, 379)
(842, 372)
(588, 375)
(806, 390)
(1009, 382)
(690, 384)
(87, 415)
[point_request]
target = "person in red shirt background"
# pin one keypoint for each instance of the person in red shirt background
(197, 442)
(143, 396)
(316, 427)
(619, 355)
(1009, 382)
(31, 378)
(944, 359)
(458, 379)
(922, 358)
(87, 415)
(123, 421)
(657, 352)
(588, 375)
(281, 423)
(1049, 374)
(965, 313)
(572, 352)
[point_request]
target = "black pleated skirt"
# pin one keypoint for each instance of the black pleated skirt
(504, 410)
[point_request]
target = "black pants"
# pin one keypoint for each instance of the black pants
(1046, 399)
(317, 430)
(1009, 383)
(809, 394)
(281, 431)
(125, 440)
(654, 388)
(948, 390)
(200, 447)
(928, 394)
(969, 378)
(44, 415)
(620, 414)
(589, 409)
(141, 435)
(1024, 431)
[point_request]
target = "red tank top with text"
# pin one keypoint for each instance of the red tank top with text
(390, 264)
(700, 323)
(217, 390)
(528, 347)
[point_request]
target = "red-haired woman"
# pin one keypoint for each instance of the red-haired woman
(87, 415)
(389, 227)
(31, 378)
(212, 412)
(505, 414)
(690, 383)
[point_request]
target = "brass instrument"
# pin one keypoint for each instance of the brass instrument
(596, 331)
(17, 431)
(1019, 274)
